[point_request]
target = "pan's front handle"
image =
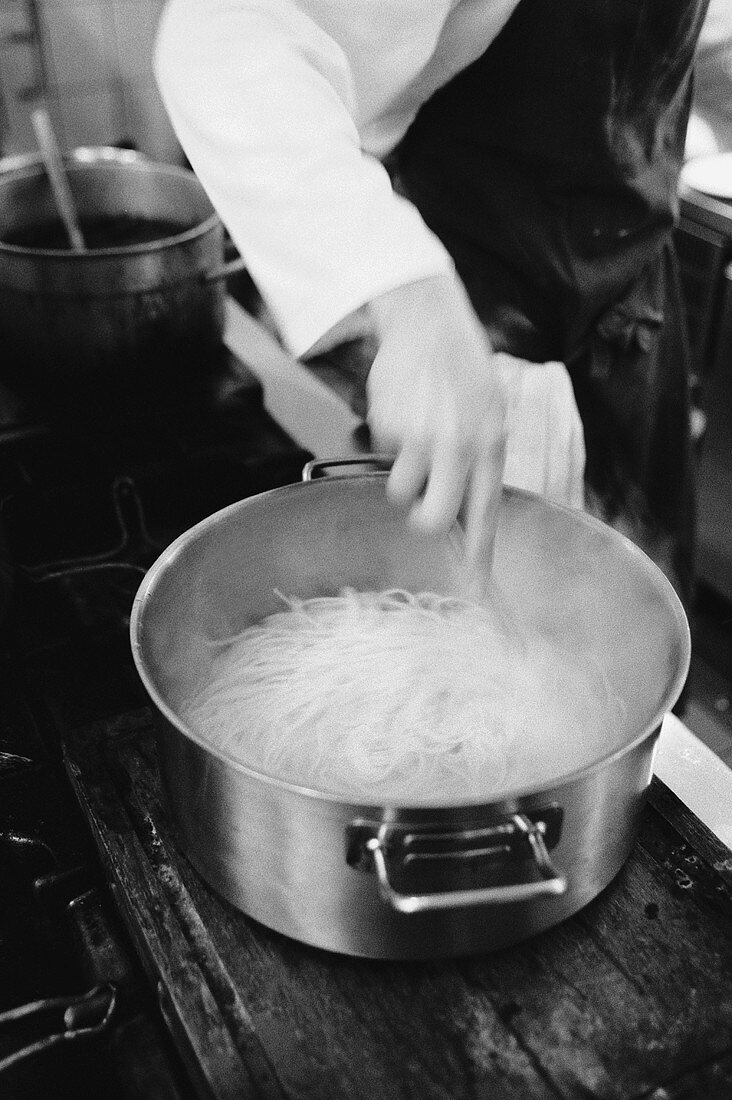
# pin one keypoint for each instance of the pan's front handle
(318, 468)
(393, 847)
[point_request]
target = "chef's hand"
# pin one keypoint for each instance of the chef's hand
(437, 400)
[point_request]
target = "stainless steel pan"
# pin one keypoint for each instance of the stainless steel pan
(401, 881)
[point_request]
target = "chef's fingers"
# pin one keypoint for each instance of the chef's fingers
(409, 472)
(448, 475)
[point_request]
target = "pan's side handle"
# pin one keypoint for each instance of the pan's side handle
(227, 269)
(390, 848)
(318, 468)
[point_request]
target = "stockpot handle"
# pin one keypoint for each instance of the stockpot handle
(230, 267)
(318, 468)
(376, 853)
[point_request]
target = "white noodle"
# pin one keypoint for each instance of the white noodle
(378, 695)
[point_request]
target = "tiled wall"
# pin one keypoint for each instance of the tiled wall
(91, 61)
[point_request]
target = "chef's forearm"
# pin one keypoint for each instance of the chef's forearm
(259, 97)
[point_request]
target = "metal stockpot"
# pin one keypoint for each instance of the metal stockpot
(102, 323)
(406, 881)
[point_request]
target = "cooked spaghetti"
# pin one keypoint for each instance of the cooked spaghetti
(387, 696)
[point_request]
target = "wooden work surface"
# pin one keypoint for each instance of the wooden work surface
(632, 994)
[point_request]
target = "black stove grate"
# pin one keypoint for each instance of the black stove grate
(85, 510)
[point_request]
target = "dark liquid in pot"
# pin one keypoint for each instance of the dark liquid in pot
(118, 231)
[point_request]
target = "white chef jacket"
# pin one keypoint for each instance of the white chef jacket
(284, 109)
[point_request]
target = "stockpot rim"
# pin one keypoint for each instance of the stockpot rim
(512, 796)
(106, 158)
(82, 154)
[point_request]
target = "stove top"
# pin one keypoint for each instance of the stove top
(85, 508)
(123, 976)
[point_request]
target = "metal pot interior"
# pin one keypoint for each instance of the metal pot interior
(104, 187)
(560, 571)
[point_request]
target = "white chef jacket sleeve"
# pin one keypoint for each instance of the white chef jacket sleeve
(261, 99)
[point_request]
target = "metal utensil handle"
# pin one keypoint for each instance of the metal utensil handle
(317, 467)
(60, 188)
(551, 881)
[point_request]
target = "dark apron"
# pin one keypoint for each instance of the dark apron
(549, 169)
